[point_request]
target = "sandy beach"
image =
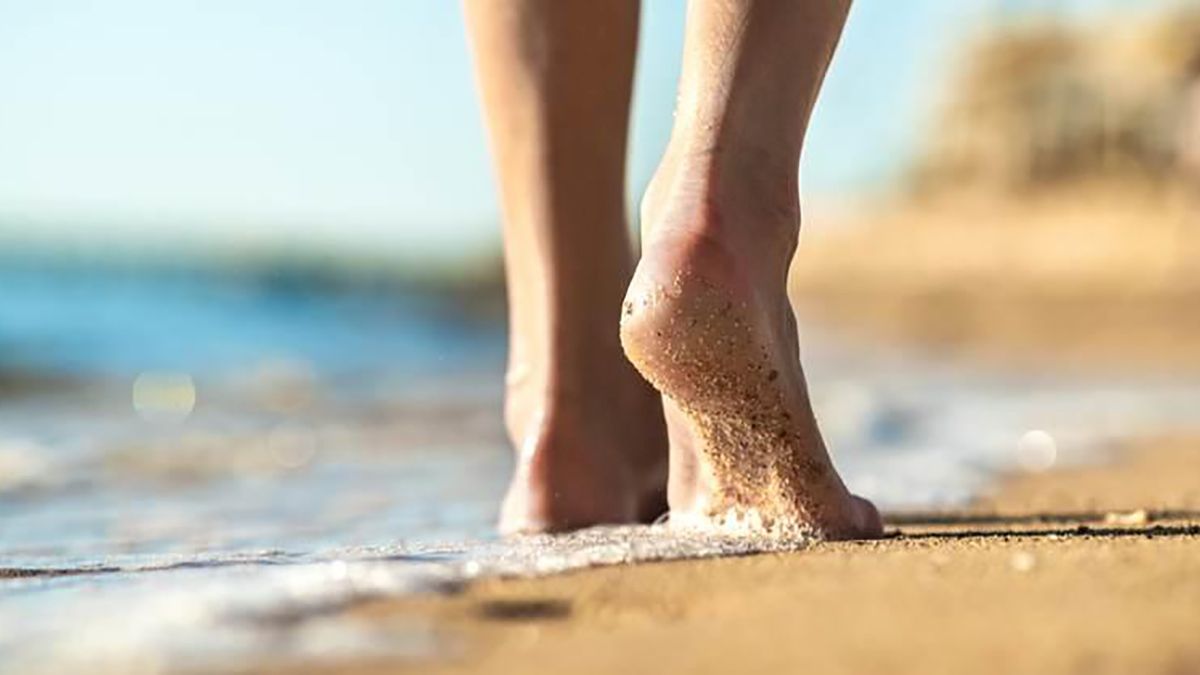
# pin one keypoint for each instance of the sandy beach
(301, 304)
(1096, 278)
(1091, 569)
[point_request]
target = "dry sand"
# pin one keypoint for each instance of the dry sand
(1089, 570)
(1095, 278)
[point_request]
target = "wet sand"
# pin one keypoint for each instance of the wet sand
(1093, 569)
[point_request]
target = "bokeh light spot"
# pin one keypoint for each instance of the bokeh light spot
(164, 397)
(1037, 451)
(292, 446)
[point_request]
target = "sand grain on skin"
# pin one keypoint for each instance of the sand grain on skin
(708, 360)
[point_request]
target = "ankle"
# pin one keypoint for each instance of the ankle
(588, 451)
(741, 161)
(741, 199)
(538, 401)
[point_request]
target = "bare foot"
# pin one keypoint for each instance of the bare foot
(591, 450)
(707, 321)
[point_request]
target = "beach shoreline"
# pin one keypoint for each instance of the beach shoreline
(1091, 569)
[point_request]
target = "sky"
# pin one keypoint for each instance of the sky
(356, 123)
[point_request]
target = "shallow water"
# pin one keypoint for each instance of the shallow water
(195, 451)
(242, 611)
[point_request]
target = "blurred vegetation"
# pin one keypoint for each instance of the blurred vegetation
(1034, 105)
(1053, 212)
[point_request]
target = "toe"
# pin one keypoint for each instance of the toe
(870, 524)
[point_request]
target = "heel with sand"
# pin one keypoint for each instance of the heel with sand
(706, 344)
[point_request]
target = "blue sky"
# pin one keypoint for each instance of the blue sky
(356, 122)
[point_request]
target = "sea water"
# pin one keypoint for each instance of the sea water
(221, 459)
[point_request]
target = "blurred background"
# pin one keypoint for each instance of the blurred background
(250, 285)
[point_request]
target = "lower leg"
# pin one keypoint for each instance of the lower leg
(707, 317)
(556, 77)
